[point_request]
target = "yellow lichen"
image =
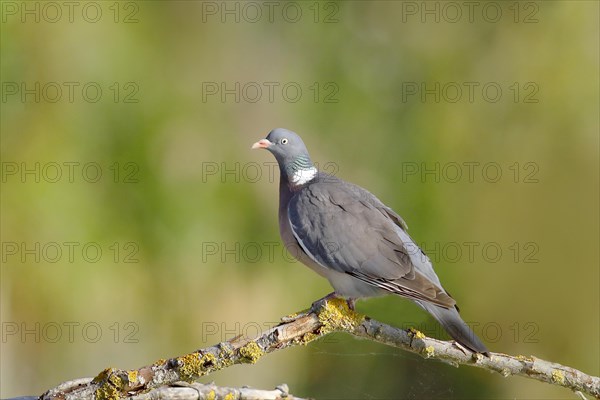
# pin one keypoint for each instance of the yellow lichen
(307, 338)
(417, 333)
(159, 362)
(337, 315)
(116, 381)
(251, 352)
(226, 350)
(208, 361)
(225, 362)
(229, 396)
(558, 377)
(225, 355)
(428, 351)
(132, 376)
(190, 366)
(107, 392)
(111, 384)
(524, 358)
(211, 395)
(102, 376)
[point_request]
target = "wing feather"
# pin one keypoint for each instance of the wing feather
(343, 227)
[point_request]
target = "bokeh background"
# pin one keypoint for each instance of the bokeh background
(185, 215)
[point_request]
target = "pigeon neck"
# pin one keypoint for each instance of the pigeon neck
(300, 171)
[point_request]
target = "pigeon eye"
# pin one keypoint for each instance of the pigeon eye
(284, 141)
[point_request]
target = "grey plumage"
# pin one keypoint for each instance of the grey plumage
(350, 237)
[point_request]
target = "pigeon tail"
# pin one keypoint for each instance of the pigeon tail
(450, 319)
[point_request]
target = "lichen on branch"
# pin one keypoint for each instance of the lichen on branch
(327, 315)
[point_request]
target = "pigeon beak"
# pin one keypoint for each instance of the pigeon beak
(261, 144)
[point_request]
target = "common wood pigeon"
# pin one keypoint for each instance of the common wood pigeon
(346, 234)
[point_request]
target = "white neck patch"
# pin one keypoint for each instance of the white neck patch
(302, 176)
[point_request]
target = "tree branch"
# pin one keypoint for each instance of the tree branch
(199, 391)
(325, 317)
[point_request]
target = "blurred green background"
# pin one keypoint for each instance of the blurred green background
(185, 215)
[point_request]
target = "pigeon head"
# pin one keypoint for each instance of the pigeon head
(291, 155)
